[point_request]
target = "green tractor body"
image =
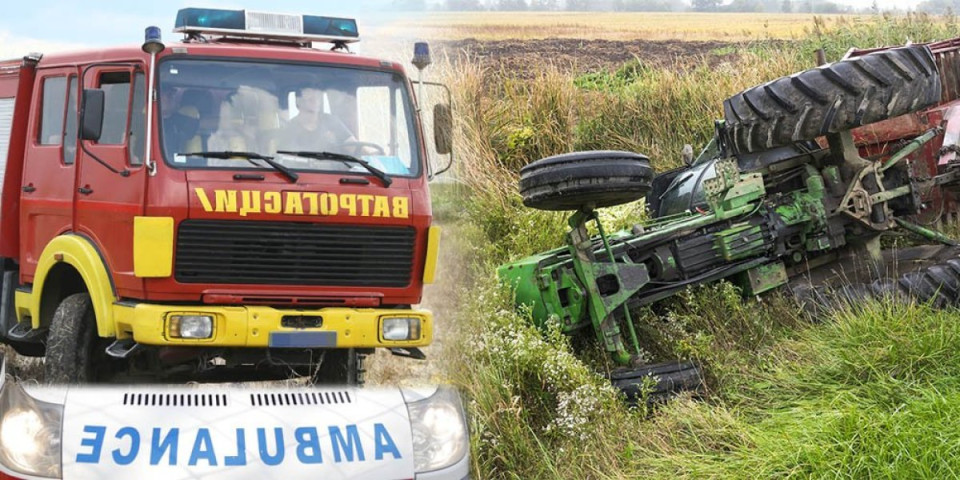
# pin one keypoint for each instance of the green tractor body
(757, 207)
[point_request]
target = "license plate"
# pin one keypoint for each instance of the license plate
(303, 339)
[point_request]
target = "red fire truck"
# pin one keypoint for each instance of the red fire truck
(239, 202)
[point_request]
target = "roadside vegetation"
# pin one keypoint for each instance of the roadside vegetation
(871, 391)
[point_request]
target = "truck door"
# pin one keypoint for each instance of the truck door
(46, 207)
(106, 201)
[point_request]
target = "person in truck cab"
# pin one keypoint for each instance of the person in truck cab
(182, 128)
(183, 122)
(312, 129)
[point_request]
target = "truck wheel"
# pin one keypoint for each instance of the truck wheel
(832, 98)
(72, 353)
(340, 366)
(597, 179)
(659, 382)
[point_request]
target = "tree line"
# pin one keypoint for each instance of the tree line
(783, 6)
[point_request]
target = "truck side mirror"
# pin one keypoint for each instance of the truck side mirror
(91, 114)
(443, 128)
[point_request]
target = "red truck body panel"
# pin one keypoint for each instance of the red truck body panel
(16, 80)
(105, 215)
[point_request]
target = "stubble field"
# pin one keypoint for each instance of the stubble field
(625, 26)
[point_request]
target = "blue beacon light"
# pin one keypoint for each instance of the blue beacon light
(421, 55)
(151, 41)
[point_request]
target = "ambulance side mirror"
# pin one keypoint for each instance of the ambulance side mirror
(91, 114)
(443, 128)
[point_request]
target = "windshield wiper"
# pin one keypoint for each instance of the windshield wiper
(376, 172)
(250, 157)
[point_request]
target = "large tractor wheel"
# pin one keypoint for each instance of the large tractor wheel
(832, 98)
(340, 366)
(74, 351)
(937, 285)
(592, 179)
(659, 382)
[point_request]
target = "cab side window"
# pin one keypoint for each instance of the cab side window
(138, 129)
(70, 131)
(52, 111)
(116, 108)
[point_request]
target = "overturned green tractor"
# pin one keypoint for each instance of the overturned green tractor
(781, 192)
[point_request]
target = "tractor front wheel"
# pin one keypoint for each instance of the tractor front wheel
(593, 179)
(657, 383)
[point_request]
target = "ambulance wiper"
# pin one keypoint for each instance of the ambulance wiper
(376, 172)
(250, 157)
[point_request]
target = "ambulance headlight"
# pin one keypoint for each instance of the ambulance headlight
(439, 425)
(400, 328)
(191, 326)
(29, 433)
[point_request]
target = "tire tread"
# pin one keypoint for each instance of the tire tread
(832, 98)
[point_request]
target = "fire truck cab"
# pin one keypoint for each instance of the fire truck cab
(238, 201)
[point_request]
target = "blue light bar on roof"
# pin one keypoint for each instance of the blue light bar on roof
(338, 27)
(243, 23)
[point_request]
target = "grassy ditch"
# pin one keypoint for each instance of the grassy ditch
(868, 393)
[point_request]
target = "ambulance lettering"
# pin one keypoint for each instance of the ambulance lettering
(172, 446)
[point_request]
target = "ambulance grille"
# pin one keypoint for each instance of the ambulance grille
(291, 253)
(175, 399)
(300, 398)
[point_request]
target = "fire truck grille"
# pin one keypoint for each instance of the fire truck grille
(288, 253)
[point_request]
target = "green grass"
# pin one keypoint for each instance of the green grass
(872, 392)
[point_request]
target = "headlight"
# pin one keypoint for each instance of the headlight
(400, 328)
(191, 326)
(29, 433)
(439, 430)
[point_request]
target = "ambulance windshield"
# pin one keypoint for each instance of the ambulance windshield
(263, 108)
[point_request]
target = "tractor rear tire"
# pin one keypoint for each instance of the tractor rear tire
(936, 285)
(73, 355)
(340, 366)
(593, 179)
(659, 382)
(832, 98)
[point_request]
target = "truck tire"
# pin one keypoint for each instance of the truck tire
(832, 98)
(670, 379)
(340, 366)
(596, 179)
(72, 356)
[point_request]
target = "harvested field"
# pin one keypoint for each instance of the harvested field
(615, 26)
(519, 57)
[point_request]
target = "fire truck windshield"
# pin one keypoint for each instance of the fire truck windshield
(263, 108)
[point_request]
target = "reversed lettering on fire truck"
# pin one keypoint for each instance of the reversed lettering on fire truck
(246, 202)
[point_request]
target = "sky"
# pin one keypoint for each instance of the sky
(56, 25)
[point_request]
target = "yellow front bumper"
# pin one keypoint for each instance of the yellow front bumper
(261, 327)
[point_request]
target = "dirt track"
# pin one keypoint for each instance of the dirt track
(441, 298)
(518, 57)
